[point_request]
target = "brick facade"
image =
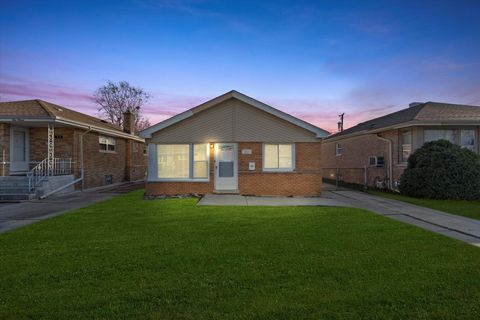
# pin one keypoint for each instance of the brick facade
(352, 165)
(4, 148)
(305, 180)
(127, 163)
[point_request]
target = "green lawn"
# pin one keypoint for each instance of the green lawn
(470, 209)
(168, 259)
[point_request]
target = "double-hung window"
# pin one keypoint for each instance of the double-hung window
(182, 161)
(467, 139)
(435, 134)
(405, 145)
(338, 149)
(106, 144)
(278, 157)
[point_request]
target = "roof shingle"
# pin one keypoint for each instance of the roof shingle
(45, 110)
(424, 112)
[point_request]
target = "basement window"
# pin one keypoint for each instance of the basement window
(107, 144)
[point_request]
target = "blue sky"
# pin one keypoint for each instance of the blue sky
(313, 59)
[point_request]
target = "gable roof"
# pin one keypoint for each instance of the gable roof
(320, 133)
(422, 113)
(42, 110)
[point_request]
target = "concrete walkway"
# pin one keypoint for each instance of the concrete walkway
(15, 215)
(238, 200)
(450, 225)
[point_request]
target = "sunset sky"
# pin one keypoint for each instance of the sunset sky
(313, 59)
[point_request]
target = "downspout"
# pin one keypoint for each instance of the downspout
(390, 160)
(81, 157)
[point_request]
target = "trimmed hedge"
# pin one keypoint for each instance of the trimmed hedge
(442, 170)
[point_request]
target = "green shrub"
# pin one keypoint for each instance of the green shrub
(442, 170)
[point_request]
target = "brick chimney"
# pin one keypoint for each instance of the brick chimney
(129, 122)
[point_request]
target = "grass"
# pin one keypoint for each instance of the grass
(168, 259)
(470, 209)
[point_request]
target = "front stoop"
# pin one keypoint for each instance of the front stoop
(15, 188)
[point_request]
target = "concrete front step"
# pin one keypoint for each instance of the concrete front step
(16, 197)
(15, 188)
(9, 182)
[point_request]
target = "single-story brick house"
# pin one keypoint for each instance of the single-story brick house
(40, 141)
(375, 150)
(234, 144)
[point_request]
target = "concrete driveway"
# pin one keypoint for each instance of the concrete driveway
(15, 215)
(453, 226)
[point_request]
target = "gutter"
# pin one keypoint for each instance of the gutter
(76, 124)
(81, 158)
(390, 160)
(101, 130)
(336, 137)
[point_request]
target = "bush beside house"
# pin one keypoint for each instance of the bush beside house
(442, 170)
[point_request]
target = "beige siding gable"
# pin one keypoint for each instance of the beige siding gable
(233, 121)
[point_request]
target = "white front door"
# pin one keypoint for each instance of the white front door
(19, 146)
(226, 176)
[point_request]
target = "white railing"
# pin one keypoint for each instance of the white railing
(58, 167)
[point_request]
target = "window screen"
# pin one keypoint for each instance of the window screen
(182, 161)
(278, 156)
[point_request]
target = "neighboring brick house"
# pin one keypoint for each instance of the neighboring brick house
(38, 138)
(373, 151)
(234, 144)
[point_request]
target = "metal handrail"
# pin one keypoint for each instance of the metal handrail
(60, 166)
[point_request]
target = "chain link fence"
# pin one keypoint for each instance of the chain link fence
(358, 178)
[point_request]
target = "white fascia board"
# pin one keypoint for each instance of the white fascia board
(21, 119)
(100, 130)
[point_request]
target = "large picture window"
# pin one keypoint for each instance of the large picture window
(182, 161)
(278, 157)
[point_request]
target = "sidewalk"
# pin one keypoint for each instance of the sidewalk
(238, 200)
(16, 215)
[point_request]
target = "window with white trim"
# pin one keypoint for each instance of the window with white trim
(434, 134)
(405, 145)
(182, 161)
(278, 157)
(338, 149)
(200, 161)
(106, 144)
(467, 139)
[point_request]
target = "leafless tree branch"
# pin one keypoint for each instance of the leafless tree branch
(116, 98)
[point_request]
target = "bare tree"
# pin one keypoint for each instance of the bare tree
(116, 98)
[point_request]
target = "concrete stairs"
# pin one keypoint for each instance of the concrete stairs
(15, 188)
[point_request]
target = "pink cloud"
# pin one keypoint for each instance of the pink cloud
(323, 114)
